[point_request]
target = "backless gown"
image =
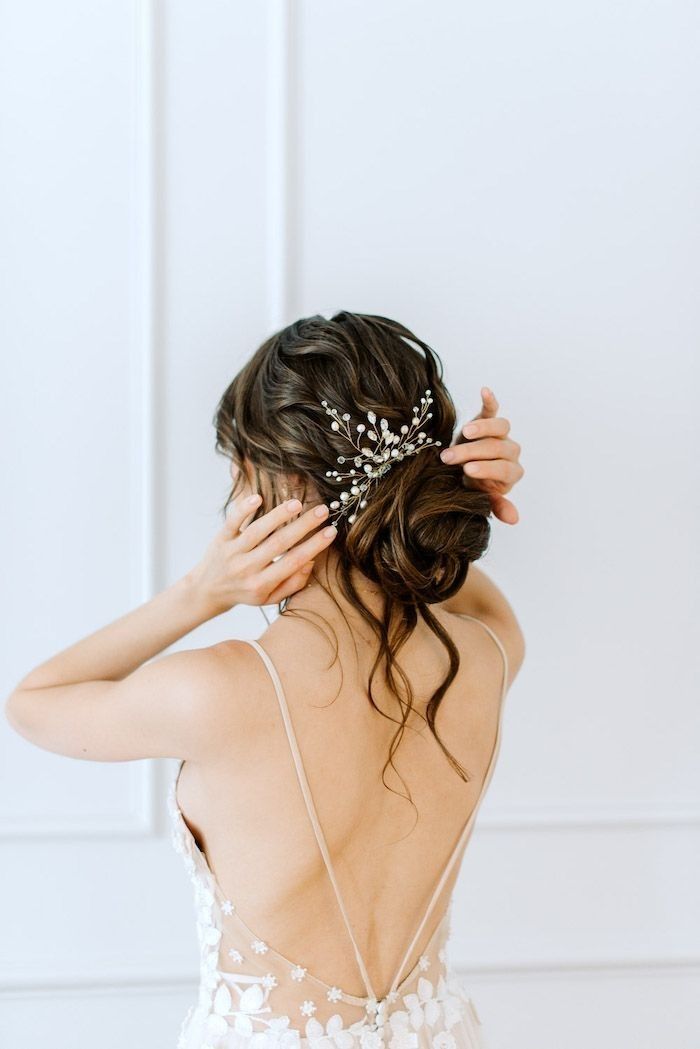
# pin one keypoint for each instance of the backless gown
(241, 976)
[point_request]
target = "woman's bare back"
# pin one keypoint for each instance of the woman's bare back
(247, 812)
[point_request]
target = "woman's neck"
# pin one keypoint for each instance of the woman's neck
(324, 588)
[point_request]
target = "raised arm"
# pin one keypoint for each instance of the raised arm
(480, 597)
(491, 460)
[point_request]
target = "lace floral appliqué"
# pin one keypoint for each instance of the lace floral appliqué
(238, 1004)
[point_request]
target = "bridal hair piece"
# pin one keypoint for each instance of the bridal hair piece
(371, 463)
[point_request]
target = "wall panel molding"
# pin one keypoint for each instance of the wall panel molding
(46, 985)
(146, 190)
(585, 817)
(281, 120)
(586, 969)
(145, 788)
(139, 819)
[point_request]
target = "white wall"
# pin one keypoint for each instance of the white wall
(518, 183)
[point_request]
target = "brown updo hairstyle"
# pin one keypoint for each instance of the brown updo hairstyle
(424, 522)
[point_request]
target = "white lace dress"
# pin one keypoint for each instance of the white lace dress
(253, 997)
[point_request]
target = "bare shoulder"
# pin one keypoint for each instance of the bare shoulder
(209, 692)
(507, 630)
(232, 670)
(189, 704)
(213, 664)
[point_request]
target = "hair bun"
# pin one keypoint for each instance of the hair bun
(421, 530)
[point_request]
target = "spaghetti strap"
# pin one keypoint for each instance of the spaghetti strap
(499, 643)
(466, 831)
(313, 815)
(311, 808)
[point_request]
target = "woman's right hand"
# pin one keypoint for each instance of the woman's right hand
(489, 457)
(238, 567)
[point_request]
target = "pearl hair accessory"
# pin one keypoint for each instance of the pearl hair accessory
(374, 462)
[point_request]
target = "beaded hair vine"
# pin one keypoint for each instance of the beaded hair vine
(373, 463)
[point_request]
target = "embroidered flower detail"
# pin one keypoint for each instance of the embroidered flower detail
(403, 1037)
(423, 963)
(334, 994)
(307, 1008)
(451, 994)
(442, 955)
(227, 907)
(204, 898)
(335, 1032)
(217, 1025)
(269, 981)
(235, 955)
(392, 996)
(444, 1040)
(210, 935)
(422, 1007)
(209, 976)
(279, 1024)
(371, 1040)
(371, 1005)
(259, 946)
(277, 1034)
(251, 1002)
(298, 973)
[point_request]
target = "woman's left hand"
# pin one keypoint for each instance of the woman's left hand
(261, 562)
(490, 458)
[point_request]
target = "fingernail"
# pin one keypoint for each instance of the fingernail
(293, 504)
(321, 511)
(330, 531)
(252, 499)
(447, 456)
(470, 429)
(472, 468)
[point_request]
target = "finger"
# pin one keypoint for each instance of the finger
(242, 510)
(486, 448)
(504, 510)
(283, 539)
(495, 470)
(292, 585)
(489, 403)
(290, 562)
(497, 427)
(258, 530)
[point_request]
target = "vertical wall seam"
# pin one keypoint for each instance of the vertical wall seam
(147, 343)
(279, 162)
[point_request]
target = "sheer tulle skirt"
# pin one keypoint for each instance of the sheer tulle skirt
(463, 1030)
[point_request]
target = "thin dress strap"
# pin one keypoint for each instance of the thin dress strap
(313, 815)
(311, 809)
(466, 831)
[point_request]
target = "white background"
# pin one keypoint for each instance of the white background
(516, 182)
